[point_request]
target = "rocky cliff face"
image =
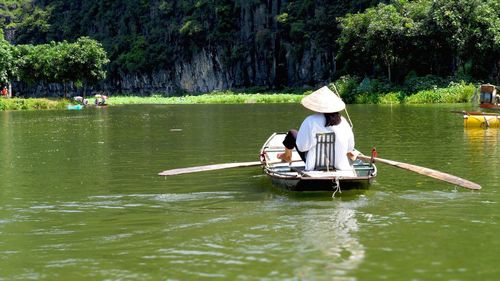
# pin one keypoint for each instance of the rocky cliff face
(260, 54)
(269, 60)
(6, 20)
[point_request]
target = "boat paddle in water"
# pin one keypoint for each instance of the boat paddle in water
(426, 172)
(212, 167)
(204, 168)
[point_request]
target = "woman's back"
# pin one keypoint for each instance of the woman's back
(344, 140)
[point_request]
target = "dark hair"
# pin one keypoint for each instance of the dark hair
(332, 119)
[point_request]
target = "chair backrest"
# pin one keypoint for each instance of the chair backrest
(325, 152)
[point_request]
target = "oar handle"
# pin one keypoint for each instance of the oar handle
(475, 113)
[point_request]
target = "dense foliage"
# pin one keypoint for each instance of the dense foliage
(393, 42)
(82, 62)
(440, 37)
(8, 68)
(32, 104)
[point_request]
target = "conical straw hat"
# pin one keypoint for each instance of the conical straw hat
(323, 101)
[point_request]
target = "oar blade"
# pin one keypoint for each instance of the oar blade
(440, 176)
(213, 167)
(427, 172)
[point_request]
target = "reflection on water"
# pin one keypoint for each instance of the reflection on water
(484, 152)
(334, 235)
(481, 136)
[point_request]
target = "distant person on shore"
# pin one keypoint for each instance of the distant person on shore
(5, 92)
(327, 119)
(100, 100)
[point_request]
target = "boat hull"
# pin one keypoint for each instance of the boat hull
(293, 177)
(75, 107)
(481, 120)
(490, 106)
(319, 184)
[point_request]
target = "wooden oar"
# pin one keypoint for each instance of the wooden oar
(426, 172)
(208, 168)
(475, 113)
(180, 171)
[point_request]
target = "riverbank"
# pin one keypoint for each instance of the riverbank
(32, 103)
(211, 98)
(457, 93)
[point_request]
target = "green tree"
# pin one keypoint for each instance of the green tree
(86, 60)
(382, 33)
(441, 36)
(80, 62)
(8, 66)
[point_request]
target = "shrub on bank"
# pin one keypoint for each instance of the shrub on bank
(32, 104)
(346, 86)
(426, 89)
(455, 93)
(391, 98)
(212, 98)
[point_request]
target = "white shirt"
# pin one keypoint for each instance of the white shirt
(344, 140)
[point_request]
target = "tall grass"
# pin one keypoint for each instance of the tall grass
(212, 98)
(455, 93)
(32, 104)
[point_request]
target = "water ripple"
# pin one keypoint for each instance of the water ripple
(194, 196)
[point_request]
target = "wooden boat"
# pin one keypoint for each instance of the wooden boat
(293, 176)
(479, 119)
(489, 99)
(74, 106)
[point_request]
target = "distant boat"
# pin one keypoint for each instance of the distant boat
(479, 119)
(489, 99)
(74, 106)
(294, 177)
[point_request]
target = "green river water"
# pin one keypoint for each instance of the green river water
(80, 198)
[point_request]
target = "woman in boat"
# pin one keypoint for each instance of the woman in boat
(327, 118)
